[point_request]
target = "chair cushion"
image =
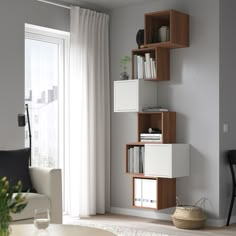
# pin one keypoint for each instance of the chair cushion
(14, 164)
(34, 200)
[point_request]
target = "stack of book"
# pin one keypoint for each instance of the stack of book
(151, 137)
(144, 67)
(135, 159)
(154, 109)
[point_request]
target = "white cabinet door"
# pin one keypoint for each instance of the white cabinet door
(126, 95)
(166, 160)
(157, 160)
(133, 95)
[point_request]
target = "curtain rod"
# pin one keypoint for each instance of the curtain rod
(98, 9)
(55, 4)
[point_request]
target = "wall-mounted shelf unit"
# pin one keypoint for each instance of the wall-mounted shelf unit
(178, 24)
(133, 95)
(154, 161)
(151, 64)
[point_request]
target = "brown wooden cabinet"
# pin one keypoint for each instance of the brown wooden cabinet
(151, 62)
(165, 121)
(177, 23)
(153, 193)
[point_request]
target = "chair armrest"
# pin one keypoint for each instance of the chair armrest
(48, 181)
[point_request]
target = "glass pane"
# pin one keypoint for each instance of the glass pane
(41, 95)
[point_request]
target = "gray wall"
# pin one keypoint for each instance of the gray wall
(193, 92)
(227, 97)
(13, 15)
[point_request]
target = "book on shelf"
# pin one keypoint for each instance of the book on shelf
(135, 67)
(154, 69)
(142, 159)
(148, 66)
(150, 137)
(150, 140)
(154, 109)
(128, 161)
(131, 160)
(154, 135)
(140, 65)
(136, 159)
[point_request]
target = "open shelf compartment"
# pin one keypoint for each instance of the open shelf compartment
(177, 23)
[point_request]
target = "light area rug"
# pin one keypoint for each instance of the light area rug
(136, 226)
(123, 231)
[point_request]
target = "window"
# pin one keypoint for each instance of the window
(46, 66)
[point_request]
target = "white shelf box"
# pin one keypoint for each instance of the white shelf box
(166, 160)
(133, 95)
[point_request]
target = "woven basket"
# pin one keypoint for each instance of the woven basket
(189, 217)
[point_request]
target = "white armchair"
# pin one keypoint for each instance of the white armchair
(48, 185)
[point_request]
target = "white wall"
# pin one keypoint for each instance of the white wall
(193, 92)
(13, 15)
(227, 99)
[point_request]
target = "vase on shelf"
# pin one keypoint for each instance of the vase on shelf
(140, 37)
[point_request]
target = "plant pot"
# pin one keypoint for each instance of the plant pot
(124, 75)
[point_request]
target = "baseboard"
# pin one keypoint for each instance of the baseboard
(165, 216)
(220, 222)
(141, 213)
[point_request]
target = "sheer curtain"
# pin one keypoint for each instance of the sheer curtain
(89, 112)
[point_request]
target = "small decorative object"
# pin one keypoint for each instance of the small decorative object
(140, 37)
(123, 63)
(164, 34)
(11, 201)
(189, 217)
(41, 218)
(154, 131)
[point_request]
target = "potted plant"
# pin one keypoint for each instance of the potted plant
(124, 61)
(11, 201)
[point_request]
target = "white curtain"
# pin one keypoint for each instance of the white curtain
(89, 112)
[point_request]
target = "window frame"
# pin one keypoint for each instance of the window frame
(61, 38)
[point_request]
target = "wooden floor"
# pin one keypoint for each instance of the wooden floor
(164, 227)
